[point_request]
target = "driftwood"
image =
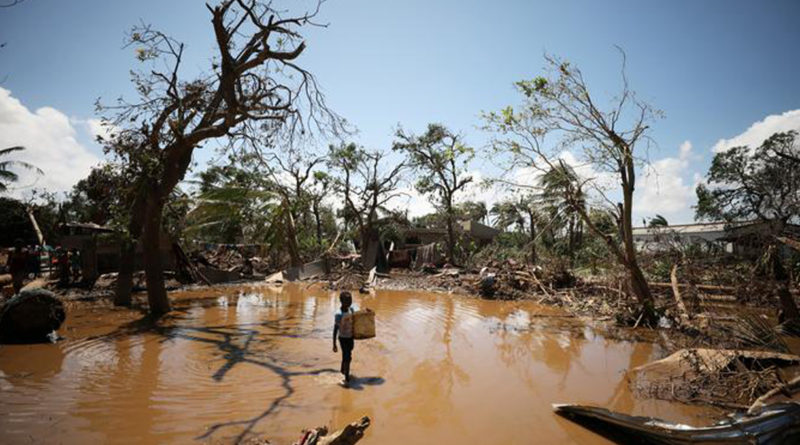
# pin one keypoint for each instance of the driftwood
(789, 389)
(794, 244)
(705, 287)
(348, 435)
(673, 275)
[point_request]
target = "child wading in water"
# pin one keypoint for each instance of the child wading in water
(345, 333)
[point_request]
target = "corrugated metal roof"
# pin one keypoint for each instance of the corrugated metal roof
(686, 229)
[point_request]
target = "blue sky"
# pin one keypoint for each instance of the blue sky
(716, 68)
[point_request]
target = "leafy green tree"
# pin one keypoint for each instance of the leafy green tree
(96, 198)
(441, 159)
(231, 206)
(760, 184)
(14, 223)
(559, 105)
(472, 210)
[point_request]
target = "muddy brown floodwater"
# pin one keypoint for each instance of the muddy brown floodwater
(231, 362)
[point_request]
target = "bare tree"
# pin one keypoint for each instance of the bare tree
(441, 158)
(559, 104)
(366, 184)
(292, 172)
(253, 88)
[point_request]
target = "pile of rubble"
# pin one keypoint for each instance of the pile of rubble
(723, 377)
(232, 260)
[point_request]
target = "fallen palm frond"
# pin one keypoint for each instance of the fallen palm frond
(755, 331)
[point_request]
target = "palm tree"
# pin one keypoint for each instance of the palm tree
(515, 211)
(658, 221)
(506, 214)
(562, 195)
(6, 175)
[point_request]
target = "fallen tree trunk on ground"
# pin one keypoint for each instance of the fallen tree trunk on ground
(705, 287)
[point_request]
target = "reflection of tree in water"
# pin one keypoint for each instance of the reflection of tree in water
(246, 343)
(622, 400)
(435, 379)
(558, 349)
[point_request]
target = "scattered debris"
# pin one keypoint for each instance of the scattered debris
(314, 269)
(729, 378)
(783, 393)
(428, 254)
(214, 276)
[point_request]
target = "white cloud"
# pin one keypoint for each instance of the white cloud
(412, 201)
(761, 130)
(663, 189)
(50, 144)
(98, 127)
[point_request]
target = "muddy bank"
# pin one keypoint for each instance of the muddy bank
(234, 362)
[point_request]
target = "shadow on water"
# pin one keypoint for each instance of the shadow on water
(358, 383)
(245, 343)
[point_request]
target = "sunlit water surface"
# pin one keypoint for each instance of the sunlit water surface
(235, 362)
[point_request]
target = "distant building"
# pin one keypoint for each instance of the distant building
(741, 238)
(100, 247)
(418, 236)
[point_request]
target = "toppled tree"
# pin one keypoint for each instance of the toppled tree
(559, 104)
(253, 89)
(440, 158)
(367, 185)
(760, 184)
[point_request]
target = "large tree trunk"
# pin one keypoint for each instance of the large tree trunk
(291, 239)
(533, 242)
(364, 238)
(641, 290)
(639, 285)
(788, 306)
(626, 254)
(127, 252)
(571, 241)
(451, 236)
(318, 222)
(153, 267)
